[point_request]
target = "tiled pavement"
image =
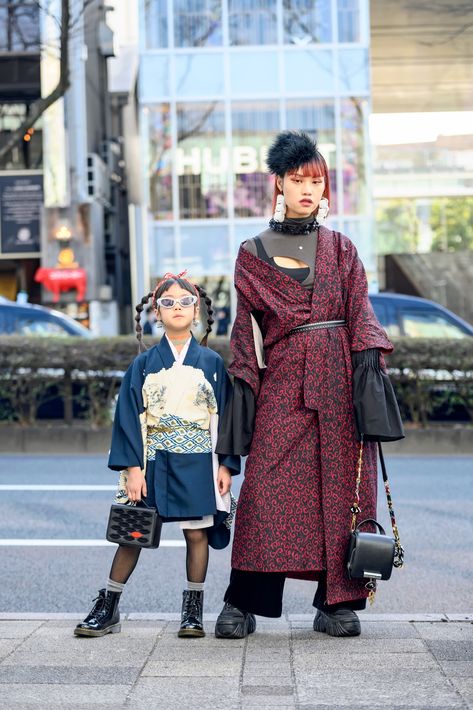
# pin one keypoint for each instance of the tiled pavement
(399, 661)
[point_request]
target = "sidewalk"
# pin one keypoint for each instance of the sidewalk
(399, 661)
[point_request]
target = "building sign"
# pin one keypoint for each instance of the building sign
(21, 201)
(218, 160)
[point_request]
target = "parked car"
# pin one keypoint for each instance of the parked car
(29, 319)
(417, 317)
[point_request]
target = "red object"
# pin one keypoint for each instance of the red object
(57, 280)
(136, 534)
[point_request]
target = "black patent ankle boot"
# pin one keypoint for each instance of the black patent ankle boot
(104, 617)
(191, 615)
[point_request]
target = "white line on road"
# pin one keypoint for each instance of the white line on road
(53, 487)
(49, 542)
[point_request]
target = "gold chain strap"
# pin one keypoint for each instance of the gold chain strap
(355, 508)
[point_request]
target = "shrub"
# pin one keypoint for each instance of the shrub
(79, 378)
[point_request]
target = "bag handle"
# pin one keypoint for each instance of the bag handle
(375, 522)
(355, 508)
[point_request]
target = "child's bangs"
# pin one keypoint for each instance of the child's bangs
(316, 168)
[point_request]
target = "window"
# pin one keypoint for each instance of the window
(348, 20)
(26, 153)
(31, 325)
(197, 23)
(318, 119)
(354, 70)
(424, 324)
(353, 112)
(309, 71)
(19, 26)
(205, 249)
(252, 22)
(156, 24)
(307, 21)
(162, 252)
(201, 160)
(160, 166)
(199, 74)
(254, 73)
(253, 130)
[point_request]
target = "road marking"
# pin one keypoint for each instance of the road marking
(51, 542)
(53, 487)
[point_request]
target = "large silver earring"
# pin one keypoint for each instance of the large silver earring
(280, 211)
(195, 322)
(322, 212)
(159, 323)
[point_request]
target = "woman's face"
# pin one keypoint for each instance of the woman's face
(302, 194)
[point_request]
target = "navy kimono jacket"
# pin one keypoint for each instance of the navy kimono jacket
(165, 424)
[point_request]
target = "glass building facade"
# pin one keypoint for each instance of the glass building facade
(218, 79)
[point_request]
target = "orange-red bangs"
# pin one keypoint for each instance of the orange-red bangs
(316, 168)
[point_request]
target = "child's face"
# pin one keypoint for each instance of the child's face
(177, 319)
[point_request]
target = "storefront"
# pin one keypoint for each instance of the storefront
(217, 82)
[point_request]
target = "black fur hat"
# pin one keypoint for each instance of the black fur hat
(290, 150)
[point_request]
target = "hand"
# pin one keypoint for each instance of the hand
(224, 480)
(135, 484)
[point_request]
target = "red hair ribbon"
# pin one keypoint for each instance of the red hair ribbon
(169, 275)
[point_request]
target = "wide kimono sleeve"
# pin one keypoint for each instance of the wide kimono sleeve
(377, 414)
(236, 432)
(127, 439)
(226, 457)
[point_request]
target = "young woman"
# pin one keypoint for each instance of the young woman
(163, 442)
(307, 351)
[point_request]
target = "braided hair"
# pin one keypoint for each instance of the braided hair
(162, 286)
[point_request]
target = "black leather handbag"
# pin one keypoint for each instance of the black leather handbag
(135, 525)
(372, 555)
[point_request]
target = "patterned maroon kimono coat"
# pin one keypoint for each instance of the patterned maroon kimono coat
(294, 508)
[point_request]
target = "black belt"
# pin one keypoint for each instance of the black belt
(319, 325)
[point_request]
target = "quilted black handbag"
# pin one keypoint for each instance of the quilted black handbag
(372, 555)
(134, 525)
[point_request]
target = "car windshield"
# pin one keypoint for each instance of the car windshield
(27, 325)
(422, 324)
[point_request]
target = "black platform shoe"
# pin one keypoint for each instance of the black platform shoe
(104, 617)
(232, 623)
(342, 622)
(191, 615)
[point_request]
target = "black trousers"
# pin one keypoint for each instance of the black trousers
(261, 593)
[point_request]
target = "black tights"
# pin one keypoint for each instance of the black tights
(197, 558)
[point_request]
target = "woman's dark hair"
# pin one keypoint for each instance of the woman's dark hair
(163, 286)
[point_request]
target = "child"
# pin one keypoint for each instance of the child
(163, 439)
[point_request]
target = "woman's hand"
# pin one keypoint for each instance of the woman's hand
(224, 480)
(135, 484)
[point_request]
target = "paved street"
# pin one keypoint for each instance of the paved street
(395, 664)
(432, 497)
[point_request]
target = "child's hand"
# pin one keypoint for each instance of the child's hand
(135, 484)
(224, 480)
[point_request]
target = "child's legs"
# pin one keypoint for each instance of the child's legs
(124, 563)
(197, 557)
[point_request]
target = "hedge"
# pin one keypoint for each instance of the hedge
(79, 378)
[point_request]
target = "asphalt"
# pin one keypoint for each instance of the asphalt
(416, 661)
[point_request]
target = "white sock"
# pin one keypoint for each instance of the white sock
(114, 586)
(195, 586)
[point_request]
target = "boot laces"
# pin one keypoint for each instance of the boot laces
(192, 607)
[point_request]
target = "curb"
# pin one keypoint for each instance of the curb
(77, 439)
(293, 618)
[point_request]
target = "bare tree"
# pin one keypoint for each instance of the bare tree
(66, 26)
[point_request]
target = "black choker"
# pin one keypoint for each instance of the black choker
(294, 227)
